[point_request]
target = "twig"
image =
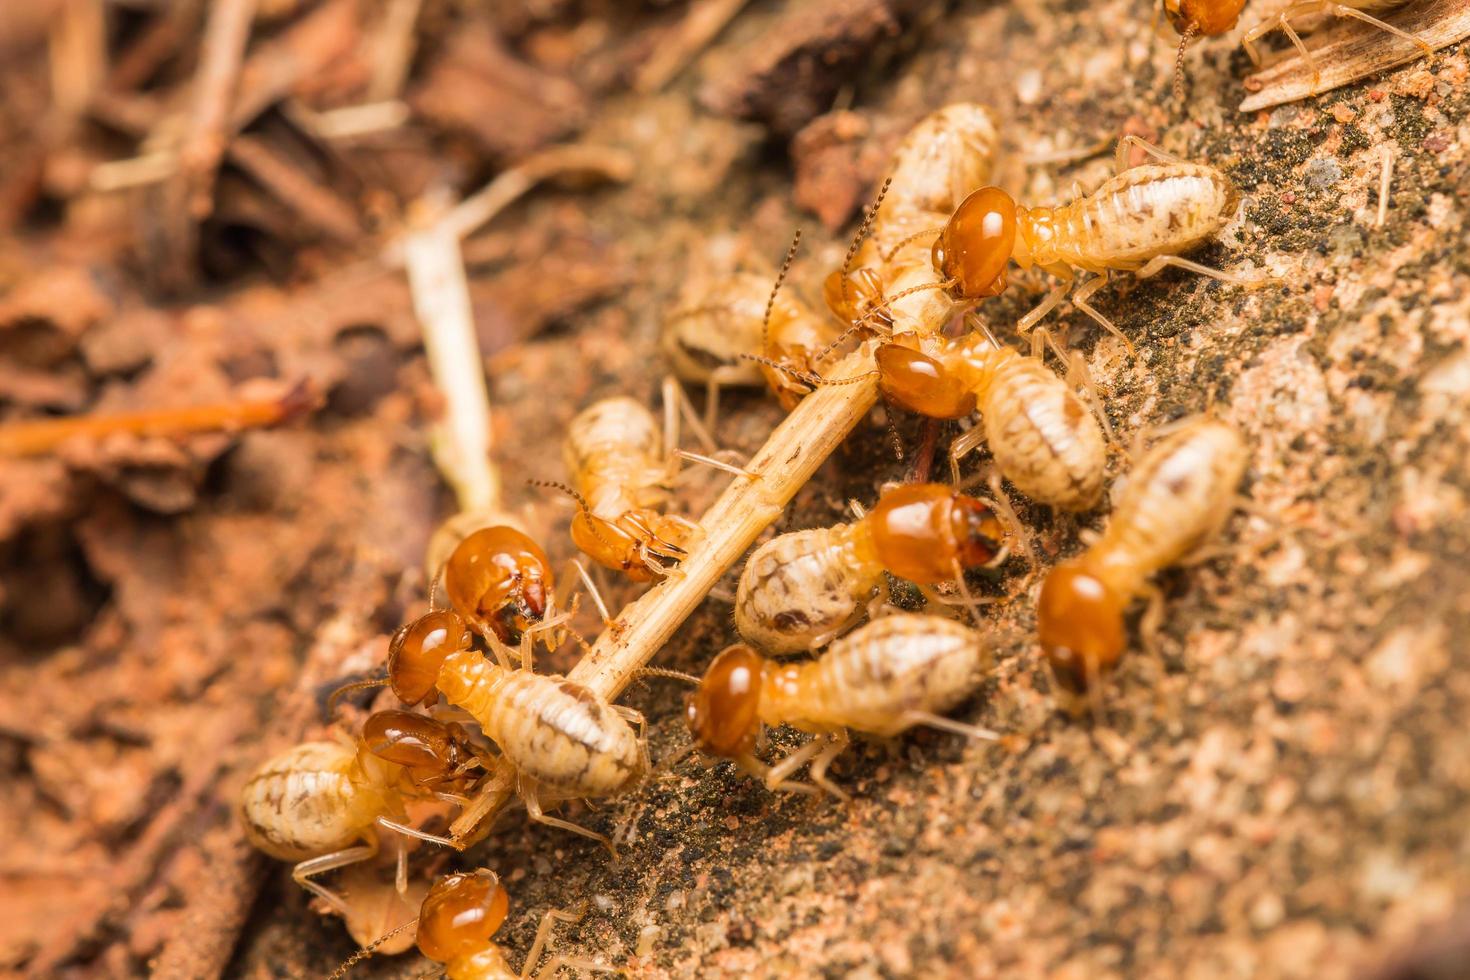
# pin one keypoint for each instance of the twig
(40, 437)
(606, 161)
(747, 507)
(394, 50)
(1357, 51)
(701, 25)
(441, 300)
(187, 198)
(319, 205)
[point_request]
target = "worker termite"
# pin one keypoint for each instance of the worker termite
(620, 472)
(800, 590)
(735, 332)
(1138, 221)
(1191, 18)
(1178, 496)
(320, 803)
(883, 283)
(457, 923)
(1043, 438)
(890, 675)
(564, 741)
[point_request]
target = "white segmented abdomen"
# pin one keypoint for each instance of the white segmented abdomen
(868, 679)
(1176, 498)
(612, 447)
(714, 326)
(1042, 436)
(1152, 210)
(950, 153)
(557, 732)
(801, 588)
(305, 802)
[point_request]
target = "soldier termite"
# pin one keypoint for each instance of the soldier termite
(320, 803)
(564, 741)
(457, 923)
(1041, 435)
(1177, 497)
(1212, 17)
(892, 674)
(499, 582)
(1138, 221)
(620, 474)
(800, 590)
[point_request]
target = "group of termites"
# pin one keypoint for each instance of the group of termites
(939, 240)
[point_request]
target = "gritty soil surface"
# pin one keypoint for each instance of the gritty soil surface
(1281, 789)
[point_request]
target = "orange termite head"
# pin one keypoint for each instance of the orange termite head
(976, 244)
(430, 750)
(724, 714)
(1079, 620)
(1207, 17)
(460, 915)
(419, 649)
(499, 578)
(921, 531)
(916, 381)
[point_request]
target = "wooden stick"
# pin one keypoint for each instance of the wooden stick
(441, 300)
(44, 436)
(747, 507)
(1359, 50)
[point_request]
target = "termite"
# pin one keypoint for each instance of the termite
(1178, 497)
(615, 454)
(457, 923)
(801, 589)
(1139, 221)
(892, 674)
(737, 332)
(564, 741)
(1192, 18)
(1041, 435)
(499, 582)
(320, 803)
(883, 283)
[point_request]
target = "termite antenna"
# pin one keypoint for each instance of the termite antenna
(345, 689)
(592, 519)
(367, 950)
(862, 233)
(771, 300)
(677, 675)
(1184, 36)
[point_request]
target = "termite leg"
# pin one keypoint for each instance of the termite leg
(632, 716)
(717, 464)
(1081, 378)
(543, 935)
(1155, 265)
(306, 870)
(531, 794)
(964, 444)
(776, 776)
(417, 834)
(1001, 501)
(1080, 301)
(837, 742)
(930, 720)
(1046, 306)
(1127, 142)
(572, 963)
(1152, 620)
(676, 404)
(593, 591)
